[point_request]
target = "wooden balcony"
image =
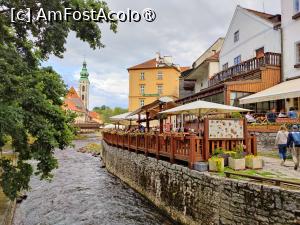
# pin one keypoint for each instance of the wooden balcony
(249, 66)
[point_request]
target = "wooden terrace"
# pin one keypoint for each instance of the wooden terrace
(177, 147)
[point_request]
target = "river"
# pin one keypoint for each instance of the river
(82, 193)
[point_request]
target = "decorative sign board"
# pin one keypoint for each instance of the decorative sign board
(225, 129)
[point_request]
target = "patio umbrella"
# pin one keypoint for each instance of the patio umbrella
(201, 108)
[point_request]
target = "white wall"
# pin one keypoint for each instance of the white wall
(291, 35)
(254, 33)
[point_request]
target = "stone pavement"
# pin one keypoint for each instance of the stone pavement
(287, 171)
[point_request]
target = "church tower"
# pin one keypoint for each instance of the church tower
(84, 85)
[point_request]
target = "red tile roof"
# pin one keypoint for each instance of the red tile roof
(266, 16)
(72, 93)
(94, 115)
(184, 68)
(73, 102)
(148, 64)
(214, 57)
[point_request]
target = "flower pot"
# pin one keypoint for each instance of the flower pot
(237, 164)
(254, 163)
(216, 165)
(225, 157)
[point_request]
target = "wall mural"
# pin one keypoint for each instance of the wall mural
(231, 129)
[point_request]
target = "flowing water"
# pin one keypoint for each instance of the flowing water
(82, 193)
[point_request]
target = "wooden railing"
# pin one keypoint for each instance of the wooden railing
(175, 147)
(269, 59)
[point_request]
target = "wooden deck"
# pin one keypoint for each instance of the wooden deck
(176, 147)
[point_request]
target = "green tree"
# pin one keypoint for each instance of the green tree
(106, 112)
(31, 96)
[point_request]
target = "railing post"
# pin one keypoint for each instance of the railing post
(192, 152)
(129, 137)
(205, 140)
(136, 143)
(172, 149)
(157, 146)
(146, 144)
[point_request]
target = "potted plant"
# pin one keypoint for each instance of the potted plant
(237, 161)
(216, 164)
(253, 162)
(226, 155)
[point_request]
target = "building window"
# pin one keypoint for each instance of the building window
(296, 6)
(142, 89)
(82, 97)
(236, 96)
(298, 53)
(237, 60)
(83, 88)
(142, 102)
(160, 89)
(225, 66)
(236, 36)
(142, 76)
(159, 75)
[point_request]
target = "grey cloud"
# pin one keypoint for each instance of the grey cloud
(183, 29)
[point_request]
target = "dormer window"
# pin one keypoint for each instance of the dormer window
(236, 36)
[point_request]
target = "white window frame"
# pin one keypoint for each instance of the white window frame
(296, 6)
(142, 102)
(160, 89)
(236, 36)
(142, 89)
(142, 76)
(159, 75)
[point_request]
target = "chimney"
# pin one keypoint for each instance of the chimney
(157, 56)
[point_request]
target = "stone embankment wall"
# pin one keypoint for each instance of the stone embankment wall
(9, 214)
(265, 140)
(192, 197)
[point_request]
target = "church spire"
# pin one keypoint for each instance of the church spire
(84, 85)
(84, 74)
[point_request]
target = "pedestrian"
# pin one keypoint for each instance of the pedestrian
(271, 116)
(293, 113)
(281, 142)
(293, 142)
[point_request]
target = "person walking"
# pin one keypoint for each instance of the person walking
(293, 142)
(281, 142)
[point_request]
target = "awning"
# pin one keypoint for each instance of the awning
(203, 108)
(287, 89)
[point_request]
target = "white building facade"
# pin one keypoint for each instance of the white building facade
(291, 38)
(250, 34)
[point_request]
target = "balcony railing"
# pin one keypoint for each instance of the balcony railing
(269, 59)
(175, 147)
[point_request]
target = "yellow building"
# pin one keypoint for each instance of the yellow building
(152, 79)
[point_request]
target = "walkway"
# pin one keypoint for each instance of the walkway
(272, 165)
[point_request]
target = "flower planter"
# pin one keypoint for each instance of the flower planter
(254, 162)
(216, 164)
(237, 164)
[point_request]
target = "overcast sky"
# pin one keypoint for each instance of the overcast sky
(182, 29)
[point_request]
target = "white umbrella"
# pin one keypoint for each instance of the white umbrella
(203, 108)
(126, 116)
